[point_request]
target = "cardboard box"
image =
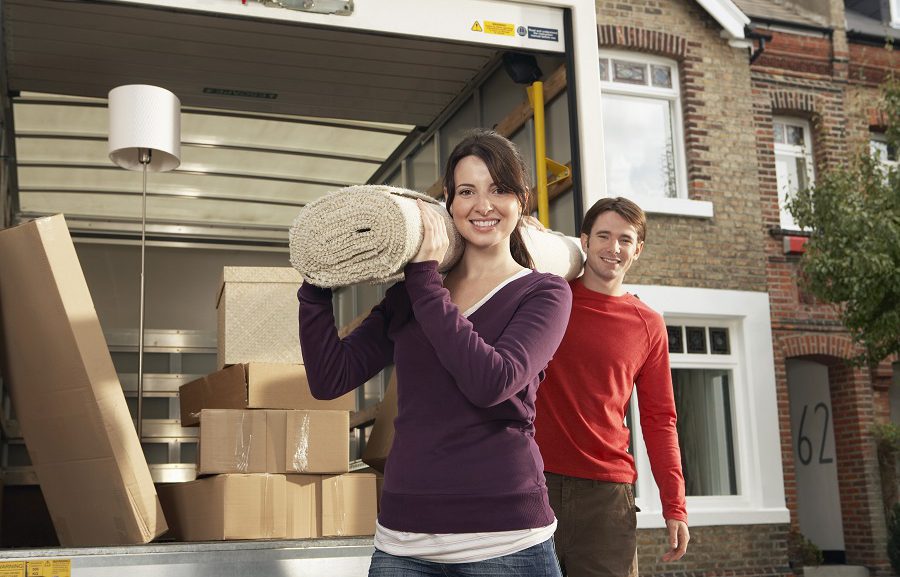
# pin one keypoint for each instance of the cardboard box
(349, 505)
(227, 507)
(331, 505)
(378, 446)
(254, 386)
(258, 315)
(260, 506)
(67, 396)
(273, 441)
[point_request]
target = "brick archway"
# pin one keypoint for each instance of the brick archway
(853, 409)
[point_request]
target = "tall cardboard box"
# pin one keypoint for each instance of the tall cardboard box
(227, 507)
(273, 441)
(254, 386)
(381, 437)
(258, 315)
(67, 396)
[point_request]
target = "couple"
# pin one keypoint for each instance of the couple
(464, 489)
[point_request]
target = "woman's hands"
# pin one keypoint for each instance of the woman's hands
(435, 242)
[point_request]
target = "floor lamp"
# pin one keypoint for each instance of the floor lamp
(145, 135)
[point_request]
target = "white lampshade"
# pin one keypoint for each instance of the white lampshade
(143, 117)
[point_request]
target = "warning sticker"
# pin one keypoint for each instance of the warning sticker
(536, 33)
(499, 28)
(49, 568)
(477, 27)
(12, 568)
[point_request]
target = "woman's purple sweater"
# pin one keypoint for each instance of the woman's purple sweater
(464, 458)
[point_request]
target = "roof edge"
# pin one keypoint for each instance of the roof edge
(728, 15)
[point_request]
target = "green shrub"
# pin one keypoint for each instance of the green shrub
(802, 552)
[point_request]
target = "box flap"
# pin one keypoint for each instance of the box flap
(224, 389)
(284, 386)
(303, 506)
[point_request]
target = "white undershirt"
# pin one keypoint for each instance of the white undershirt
(462, 547)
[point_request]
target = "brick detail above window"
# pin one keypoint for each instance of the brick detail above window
(790, 101)
(651, 41)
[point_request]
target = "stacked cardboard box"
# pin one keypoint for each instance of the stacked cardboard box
(279, 458)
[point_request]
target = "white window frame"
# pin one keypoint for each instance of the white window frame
(804, 151)
(895, 13)
(880, 137)
(681, 204)
(755, 424)
(727, 362)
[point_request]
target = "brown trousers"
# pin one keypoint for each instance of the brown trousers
(596, 535)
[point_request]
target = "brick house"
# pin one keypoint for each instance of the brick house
(816, 90)
(749, 121)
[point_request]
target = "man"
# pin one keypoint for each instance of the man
(613, 343)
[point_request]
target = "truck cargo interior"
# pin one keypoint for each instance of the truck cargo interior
(279, 106)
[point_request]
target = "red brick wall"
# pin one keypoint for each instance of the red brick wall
(800, 76)
(729, 550)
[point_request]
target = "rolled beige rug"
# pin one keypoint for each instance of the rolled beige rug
(554, 252)
(364, 233)
(367, 234)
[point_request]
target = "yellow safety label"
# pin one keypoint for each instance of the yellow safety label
(12, 568)
(49, 568)
(499, 28)
(477, 27)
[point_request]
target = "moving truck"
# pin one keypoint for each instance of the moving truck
(281, 102)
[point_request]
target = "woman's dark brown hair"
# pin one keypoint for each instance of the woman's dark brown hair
(508, 170)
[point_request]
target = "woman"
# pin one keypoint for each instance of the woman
(464, 489)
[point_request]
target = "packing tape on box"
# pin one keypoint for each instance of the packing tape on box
(268, 509)
(337, 505)
(300, 460)
(242, 447)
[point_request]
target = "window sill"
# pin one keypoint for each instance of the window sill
(702, 517)
(675, 206)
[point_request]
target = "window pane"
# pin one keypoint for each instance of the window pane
(793, 134)
(639, 148)
(676, 342)
(778, 127)
(631, 72)
(604, 69)
(703, 402)
(718, 341)
(661, 76)
(696, 340)
(882, 151)
(790, 173)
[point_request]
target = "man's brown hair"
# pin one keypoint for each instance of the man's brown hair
(632, 213)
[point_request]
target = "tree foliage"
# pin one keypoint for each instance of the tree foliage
(853, 256)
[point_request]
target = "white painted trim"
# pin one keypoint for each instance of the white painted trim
(728, 15)
(757, 442)
(710, 518)
(675, 206)
(895, 13)
(443, 19)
